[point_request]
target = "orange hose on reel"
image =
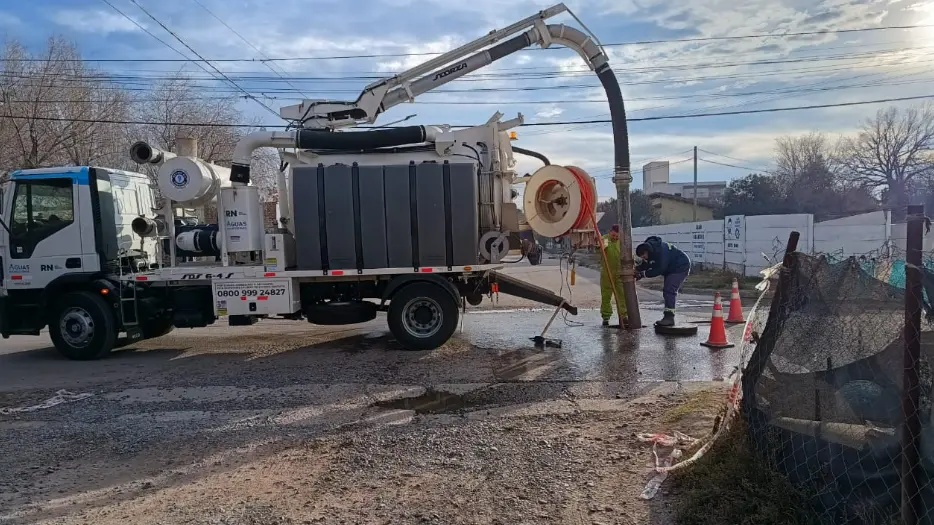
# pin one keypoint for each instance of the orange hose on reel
(588, 197)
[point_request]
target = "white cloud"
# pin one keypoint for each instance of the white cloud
(93, 21)
(550, 111)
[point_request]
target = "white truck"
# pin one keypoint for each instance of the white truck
(414, 221)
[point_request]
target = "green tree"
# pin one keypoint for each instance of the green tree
(643, 213)
(754, 194)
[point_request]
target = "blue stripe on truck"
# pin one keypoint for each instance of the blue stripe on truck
(78, 175)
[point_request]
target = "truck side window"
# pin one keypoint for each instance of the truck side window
(40, 208)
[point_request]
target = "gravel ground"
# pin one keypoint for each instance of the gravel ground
(285, 423)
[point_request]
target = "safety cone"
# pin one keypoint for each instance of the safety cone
(717, 337)
(736, 306)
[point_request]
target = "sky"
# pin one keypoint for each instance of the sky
(660, 78)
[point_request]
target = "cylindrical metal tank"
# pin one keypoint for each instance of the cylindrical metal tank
(243, 219)
(191, 182)
(202, 241)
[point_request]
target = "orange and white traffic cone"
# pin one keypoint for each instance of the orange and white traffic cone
(736, 306)
(717, 337)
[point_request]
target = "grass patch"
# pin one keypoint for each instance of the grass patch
(703, 401)
(733, 485)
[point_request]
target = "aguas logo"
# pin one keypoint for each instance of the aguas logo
(179, 178)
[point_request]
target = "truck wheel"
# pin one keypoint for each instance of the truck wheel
(422, 316)
(84, 327)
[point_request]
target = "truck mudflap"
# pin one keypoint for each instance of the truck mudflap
(518, 288)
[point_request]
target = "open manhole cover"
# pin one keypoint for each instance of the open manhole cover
(431, 402)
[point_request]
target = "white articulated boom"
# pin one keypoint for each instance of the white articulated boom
(404, 87)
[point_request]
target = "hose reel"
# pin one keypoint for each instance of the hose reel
(494, 246)
(559, 200)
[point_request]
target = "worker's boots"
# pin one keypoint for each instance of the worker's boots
(667, 320)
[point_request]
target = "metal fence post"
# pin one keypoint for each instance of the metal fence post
(911, 388)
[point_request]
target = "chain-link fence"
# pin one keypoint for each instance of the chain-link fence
(837, 392)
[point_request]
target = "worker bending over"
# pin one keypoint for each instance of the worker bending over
(664, 259)
(610, 279)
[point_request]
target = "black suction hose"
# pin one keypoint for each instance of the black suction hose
(618, 116)
(530, 153)
(360, 140)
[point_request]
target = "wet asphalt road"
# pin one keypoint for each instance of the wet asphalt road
(175, 402)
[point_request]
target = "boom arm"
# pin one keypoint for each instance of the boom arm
(404, 87)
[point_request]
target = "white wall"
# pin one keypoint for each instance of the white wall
(768, 234)
(853, 235)
(900, 237)
(741, 248)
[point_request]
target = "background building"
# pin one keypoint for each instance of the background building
(675, 210)
(655, 179)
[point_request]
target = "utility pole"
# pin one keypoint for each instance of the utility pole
(695, 183)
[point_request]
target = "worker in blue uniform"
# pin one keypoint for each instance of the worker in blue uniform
(663, 259)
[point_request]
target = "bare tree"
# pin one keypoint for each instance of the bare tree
(806, 174)
(56, 110)
(890, 153)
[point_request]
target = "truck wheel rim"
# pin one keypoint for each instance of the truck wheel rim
(422, 317)
(77, 327)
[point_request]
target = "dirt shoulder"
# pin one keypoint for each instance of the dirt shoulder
(562, 461)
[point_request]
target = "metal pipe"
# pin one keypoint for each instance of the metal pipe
(143, 153)
(146, 227)
(186, 146)
(243, 152)
(285, 207)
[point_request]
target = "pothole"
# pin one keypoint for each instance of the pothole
(431, 402)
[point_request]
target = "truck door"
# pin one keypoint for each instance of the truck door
(45, 238)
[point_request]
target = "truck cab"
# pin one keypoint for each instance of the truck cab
(66, 233)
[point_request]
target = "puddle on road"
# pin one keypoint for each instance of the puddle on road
(431, 402)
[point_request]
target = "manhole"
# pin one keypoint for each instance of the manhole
(676, 330)
(431, 402)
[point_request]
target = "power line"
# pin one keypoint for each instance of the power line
(725, 156)
(539, 72)
(790, 91)
(532, 124)
(615, 44)
(742, 112)
(148, 32)
(219, 72)
(144, 84)
(234, 31)
(731, 165)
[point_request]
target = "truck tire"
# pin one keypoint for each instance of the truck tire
(422, 316)
(84, 327)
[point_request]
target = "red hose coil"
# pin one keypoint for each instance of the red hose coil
(588, 197)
